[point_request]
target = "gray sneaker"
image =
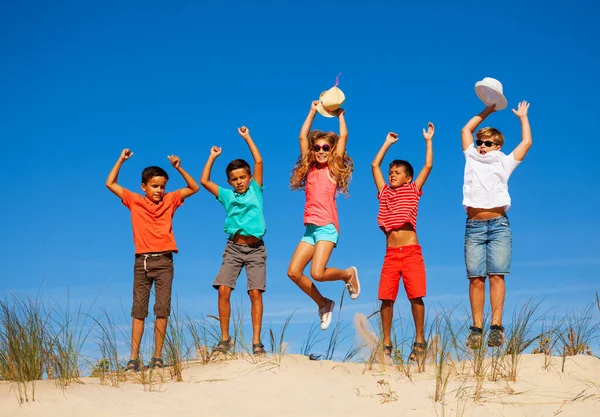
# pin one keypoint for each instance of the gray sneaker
(496, 337)
(475, 337)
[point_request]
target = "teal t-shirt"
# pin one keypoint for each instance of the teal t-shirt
(244, 211)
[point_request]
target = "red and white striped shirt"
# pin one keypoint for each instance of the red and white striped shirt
(398, 206)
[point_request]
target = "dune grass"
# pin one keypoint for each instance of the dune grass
(38, 342)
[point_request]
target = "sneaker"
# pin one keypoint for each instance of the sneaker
(326, 314)
(474, 339)
(352, 290)
(496, 337)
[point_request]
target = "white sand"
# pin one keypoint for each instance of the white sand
(300, 387)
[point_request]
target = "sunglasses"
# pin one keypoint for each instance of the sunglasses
(488, 143)
(326, 148)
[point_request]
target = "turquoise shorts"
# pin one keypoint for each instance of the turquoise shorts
(315, 233)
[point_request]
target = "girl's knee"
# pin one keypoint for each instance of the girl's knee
(293, 274)
(318, 275)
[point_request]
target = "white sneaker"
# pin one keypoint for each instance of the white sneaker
(354, 292)
(326, 314)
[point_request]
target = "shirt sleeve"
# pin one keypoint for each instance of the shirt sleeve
(509, 163)
(128, 198)
(383, 190)
(255, 187)
(469, 152)
(224, 196)
(416, 190)
(174, 199)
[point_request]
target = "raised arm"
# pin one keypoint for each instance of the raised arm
(471, 126)
(340, 149)
(390, 139)
(521, 150)
(424, 174)
(305, 130)
(192, 186)
(258, 161)
(111, 181)
(205, 179)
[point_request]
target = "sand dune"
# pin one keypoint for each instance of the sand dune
(298, 386)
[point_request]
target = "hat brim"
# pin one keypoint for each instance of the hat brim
(325, 112)
(490, 96)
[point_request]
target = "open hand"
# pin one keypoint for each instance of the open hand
(522, 109)
(126, 154)
(175, 161)
(313, 106)
(215, 151)
(428, 135)
(391, 138)
(244, 132)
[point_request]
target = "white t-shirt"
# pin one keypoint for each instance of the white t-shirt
(486, 179)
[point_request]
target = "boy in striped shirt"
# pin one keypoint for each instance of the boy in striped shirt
(397, 218)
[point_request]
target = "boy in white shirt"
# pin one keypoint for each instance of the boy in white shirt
(488, 238)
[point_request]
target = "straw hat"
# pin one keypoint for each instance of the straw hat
(330, 101)
(489, 90)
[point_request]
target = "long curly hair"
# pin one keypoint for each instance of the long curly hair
(339, 168)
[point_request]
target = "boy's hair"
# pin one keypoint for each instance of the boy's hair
(149, 172)
(490, 133)
(408, 169)
(237, 164)
(340, 168)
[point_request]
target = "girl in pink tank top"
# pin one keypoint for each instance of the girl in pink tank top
(323, 170)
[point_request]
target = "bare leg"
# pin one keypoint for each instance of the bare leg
(160, 330)
(137, 330)
(387, 313)
(418, 312)
(257, 314)
(318, 268)
(477, 298)
(497, 295)
(224, 310)
(301, 258)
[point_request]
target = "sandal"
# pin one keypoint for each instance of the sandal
(223, 346)
(258, 349)
(155, 363)
(387, 350)
(133, 365)
(418, 352)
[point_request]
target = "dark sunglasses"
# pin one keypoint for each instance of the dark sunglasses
(326, 148)
(488, 143)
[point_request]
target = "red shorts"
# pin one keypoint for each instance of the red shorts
(402, 262)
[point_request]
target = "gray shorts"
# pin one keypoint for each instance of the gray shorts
(235, 257)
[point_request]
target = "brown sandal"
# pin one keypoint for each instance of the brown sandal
(418, 352)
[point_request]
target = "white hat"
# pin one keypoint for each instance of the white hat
(330, 101)
(489, 90)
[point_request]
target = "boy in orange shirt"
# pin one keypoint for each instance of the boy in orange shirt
(151, 218)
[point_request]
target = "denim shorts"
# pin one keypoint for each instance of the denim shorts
(488, 247)
(315, 233)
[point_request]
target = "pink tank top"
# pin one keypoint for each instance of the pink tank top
(320, 208)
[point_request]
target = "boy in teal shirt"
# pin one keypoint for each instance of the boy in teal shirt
(245, 225)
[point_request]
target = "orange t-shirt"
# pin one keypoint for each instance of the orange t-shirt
(152, 223)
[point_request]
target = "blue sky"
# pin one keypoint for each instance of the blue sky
(80, 81)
